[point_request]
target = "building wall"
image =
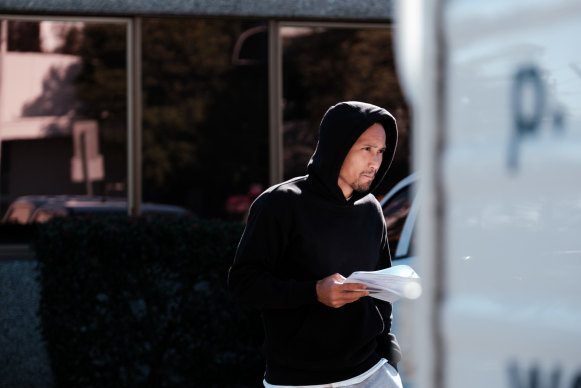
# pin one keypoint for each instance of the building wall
(368, 10)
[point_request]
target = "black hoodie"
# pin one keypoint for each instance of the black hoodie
(303, 230)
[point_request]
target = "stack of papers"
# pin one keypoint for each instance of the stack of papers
(390, 284)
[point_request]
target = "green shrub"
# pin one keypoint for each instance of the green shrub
(142, 302)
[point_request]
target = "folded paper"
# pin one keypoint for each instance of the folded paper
(390, 284)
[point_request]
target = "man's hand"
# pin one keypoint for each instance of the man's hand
(331, 291)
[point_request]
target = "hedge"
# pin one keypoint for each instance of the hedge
(142, 302)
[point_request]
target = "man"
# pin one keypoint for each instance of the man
(301, 237)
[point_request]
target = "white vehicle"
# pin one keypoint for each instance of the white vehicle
(495, 89)
(400, 209)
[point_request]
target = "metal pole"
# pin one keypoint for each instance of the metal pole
(85, 164)
(134, 127)
(3, 50)
(275, 102)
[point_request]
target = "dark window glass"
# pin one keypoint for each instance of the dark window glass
(205, 114)
(24, 36)
(323, 66)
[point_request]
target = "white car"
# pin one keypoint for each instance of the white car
(400, 209)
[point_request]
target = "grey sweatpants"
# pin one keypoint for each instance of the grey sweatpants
(384, 377)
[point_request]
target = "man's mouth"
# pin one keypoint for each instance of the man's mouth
(369, 175)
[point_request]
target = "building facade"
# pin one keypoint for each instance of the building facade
(200, 104)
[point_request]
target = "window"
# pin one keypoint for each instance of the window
(205, 114)
(206, 136)
(400, 208)
(326, 64)
(63, 108)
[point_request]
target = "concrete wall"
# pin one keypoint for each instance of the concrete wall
(358, 10)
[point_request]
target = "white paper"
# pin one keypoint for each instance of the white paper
(390, 284)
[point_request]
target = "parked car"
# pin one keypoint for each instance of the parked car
(32, 209)
(400, 209)
(21, 209)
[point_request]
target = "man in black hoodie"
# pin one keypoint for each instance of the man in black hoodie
(301, 237)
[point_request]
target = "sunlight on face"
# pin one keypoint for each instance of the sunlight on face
(362, 161)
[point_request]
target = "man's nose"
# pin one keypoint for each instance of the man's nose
(376, 161)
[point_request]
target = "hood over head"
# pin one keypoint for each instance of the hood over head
(340, 128)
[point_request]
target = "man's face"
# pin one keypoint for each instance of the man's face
(362, 161)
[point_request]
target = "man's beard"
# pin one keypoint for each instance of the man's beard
(362, 187)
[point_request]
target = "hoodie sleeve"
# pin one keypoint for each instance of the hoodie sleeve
(387, 345)
(253, 278)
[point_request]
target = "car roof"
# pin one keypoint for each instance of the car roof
(46, 207)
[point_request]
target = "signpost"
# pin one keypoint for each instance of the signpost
(87, 164)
